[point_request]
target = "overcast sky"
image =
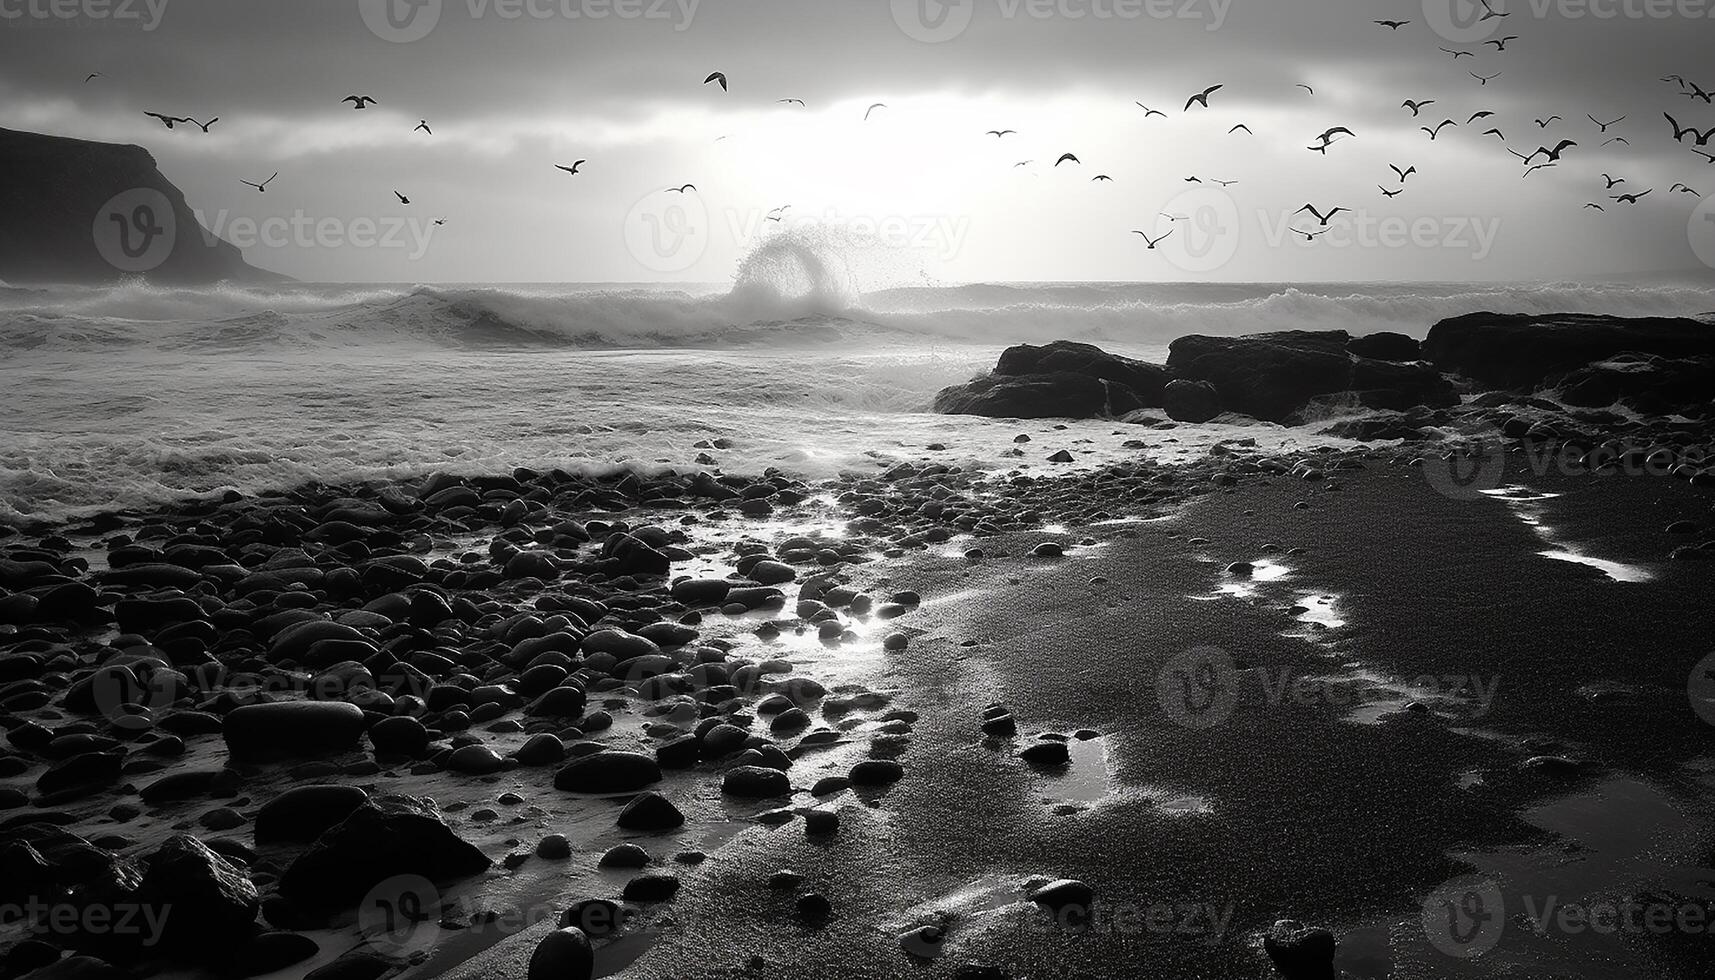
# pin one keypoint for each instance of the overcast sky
(619, 83)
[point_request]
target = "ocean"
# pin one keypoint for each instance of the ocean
(132, 395)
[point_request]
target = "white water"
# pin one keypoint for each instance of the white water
(131, 395)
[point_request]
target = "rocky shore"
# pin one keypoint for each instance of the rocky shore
(349, 731)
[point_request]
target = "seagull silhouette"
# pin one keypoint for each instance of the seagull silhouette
(1596, 206)
(1306, 88)
(1416, 107)
(423, 124)
(1328, 136)
(1310, 236)
(1702, 139)
(1240, 126)
(92, 76)
(1631, 198)
(1600, 123)
(1102, 177)
(1617, 139)
(998, 133)
(1554, 154)
(1500, 43)
(1147, 111)
(1067, 156)
(716, 76)
(682, 188)
(796, 102)
(1612, 181)
(571, 169)
(1319, 216)
(1458, 54)
(402, 198)
(1485, 79)
(1393, 24)
(1152, 241)
(261, 188)
(360, 101)
(1698, 93)
(1682, 189)
(1707, 156)
(1407, 172)
(1545, 123)
(1390, 194)
(1482, 114)
(1202, 98)
(201, 125)
(1223, 183)
(1541, 166)
(1438, 128)
(1496, 134)
(168, 121)
(878, 105)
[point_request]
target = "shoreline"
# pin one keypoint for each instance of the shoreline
(1002, 604)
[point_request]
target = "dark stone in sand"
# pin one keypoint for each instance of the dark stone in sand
(476, 760)
(1524, 350)
(399, 736)
(755, 782)
(543, 749)
(701, 591)
(1046, 754)
(630, 555)
(608, 772)
(1650, 384)
(213, 902)
(877, 772)
(1065, 893)
(1266, 376)
(554, 847)
(294, 642)
(624, 856)
(772, 572)
(1300, 952)
(561, 702)
(81, 773)
(678, 753)
(1144, 379)
(651, 888)
(650, 813)
(386, 836)
(304, 813)
(304, 729)
(1191, 401)
(563, 954)
(532, 564)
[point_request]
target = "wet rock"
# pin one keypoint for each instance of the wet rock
(1300, 952)
(625, 856)
(399, 735)
(385, 836)
(651, 888)
(563, 954)
(304, 813)
(1191, 401)
(608, 772)
(877, 772)
(304, 729)
(650, 813)
(755, 782)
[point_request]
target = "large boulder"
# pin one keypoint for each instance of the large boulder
(1062, 395)
(384, 837)
(1649, 383)
(303, 729)
(1385, 346)
(1524, 350)
(1191, 401)
(1146, 380)
(213, 901)
(1266, 376)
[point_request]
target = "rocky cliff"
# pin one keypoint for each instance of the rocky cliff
(82, 212)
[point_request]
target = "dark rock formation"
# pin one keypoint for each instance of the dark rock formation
(1058, 380)
(1524, 350)
(1191, 401)
(72, 215)
(1385, 347)
(385, 836)
(1144, 379)
(1273, 376)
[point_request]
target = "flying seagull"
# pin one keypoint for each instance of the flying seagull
(1612, 181)
(1067, 156)
(1500, 43)
(1458, 54)
(1393, 24)
(1554, 154)
(571, 169)
(261, 188)
(1202, 98)
(1022, 163)
(1152, 241)
(1310, 236)
(1306, 88)
(1328, 137)
(998, 133)
(1698, 93)
(1482, 114)
(1240, 126)
(359, 101)
(1707, 156)
(796, 102)
(1617, 139)
(1497, 134)
(1682, 189)
(440, 221)
(1485, 79)
(402, 198)
(716, 76)
(1541, 166)
(1147, 111)
(682, 188)
(1438, 128)
(201, 125)
(1679, 134)
(423, 124)
(1102, 177)
(1319, 215)
(92, 76)
(1544, 123)
(1631, 198)
(1407, 172)
(1596, 206)
(878, 105)
(1223, 183)
(1390, 194)
(1415, 107)
(1600, 123)
(169, 121)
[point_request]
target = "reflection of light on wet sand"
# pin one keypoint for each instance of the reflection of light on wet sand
(1318, 610)
(1525, 504)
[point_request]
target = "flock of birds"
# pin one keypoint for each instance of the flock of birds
(1543, 157)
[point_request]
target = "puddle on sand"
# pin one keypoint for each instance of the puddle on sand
(1610, 897)
(1086, 778)
(1318, 610)
(1526, 505)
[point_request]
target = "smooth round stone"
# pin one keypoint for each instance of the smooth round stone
(302, 813)
(755, 782)
(608, 772)
(1046, 754)
(651, 813)
(399, 735)
(877, 772)
(563, 954)
(304, 729)
(554, 847)
(476, 760)
(625, 856)
(544, 749)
